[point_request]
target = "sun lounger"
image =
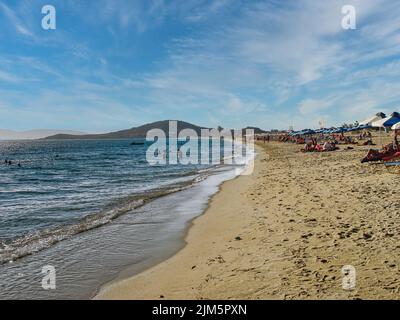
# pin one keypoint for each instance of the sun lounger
(392, 164)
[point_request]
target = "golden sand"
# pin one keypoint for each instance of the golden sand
(285, 232)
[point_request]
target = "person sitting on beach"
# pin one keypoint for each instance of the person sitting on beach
(300, 140)
(329, 146)
(349, 140)
(396, 145)
(387, 151)
(308, 147)
(369, 142)
(319, 148)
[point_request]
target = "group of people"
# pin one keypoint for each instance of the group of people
(388, 152)
(9, 163)
(264, 138)
(320, 143)
(325, 143)
(313, 145)
(365, 135)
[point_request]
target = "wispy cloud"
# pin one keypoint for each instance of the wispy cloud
(8, 77)
(12, 16)
(267, 63)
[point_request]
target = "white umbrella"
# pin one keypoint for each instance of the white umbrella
(370, 120)
(388, 121)
(396, 126)
(380, 123)
(376, 117)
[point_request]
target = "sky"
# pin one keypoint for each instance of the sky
(116, 64)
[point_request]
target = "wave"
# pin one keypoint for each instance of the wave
(11, 250)
(16, 248)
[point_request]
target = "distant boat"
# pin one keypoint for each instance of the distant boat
(136, 143)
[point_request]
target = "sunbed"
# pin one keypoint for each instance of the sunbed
(392, 163)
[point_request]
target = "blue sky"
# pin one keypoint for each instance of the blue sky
(115, 64)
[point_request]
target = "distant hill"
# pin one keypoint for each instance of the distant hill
(137, 132)
(33, 134)
(256, 130)
(140, 132)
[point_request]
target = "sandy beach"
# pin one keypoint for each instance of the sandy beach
(285, 232)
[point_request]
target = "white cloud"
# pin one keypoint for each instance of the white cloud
(12, 16)
(8, 77)
(237, 58)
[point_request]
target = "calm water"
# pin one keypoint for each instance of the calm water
(92, 209)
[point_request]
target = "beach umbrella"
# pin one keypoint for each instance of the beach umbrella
(388, 121)
(338, 130)
(374, 118)
(362, 127)
(366, 126)
(308, 131)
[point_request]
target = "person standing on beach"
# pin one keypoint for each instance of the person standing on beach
(396, 146)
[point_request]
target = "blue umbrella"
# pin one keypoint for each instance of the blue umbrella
(308, 131)
(388, 121)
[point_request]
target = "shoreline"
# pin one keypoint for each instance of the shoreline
(178, 244)
(285, 232)
(110, 290)
(137, 240)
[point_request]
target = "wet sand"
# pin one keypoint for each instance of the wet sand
(285, 232)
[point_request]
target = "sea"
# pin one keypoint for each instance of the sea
(93, 210)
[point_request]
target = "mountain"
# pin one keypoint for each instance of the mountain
(137, 132)
(33, 134)
(256, 130)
